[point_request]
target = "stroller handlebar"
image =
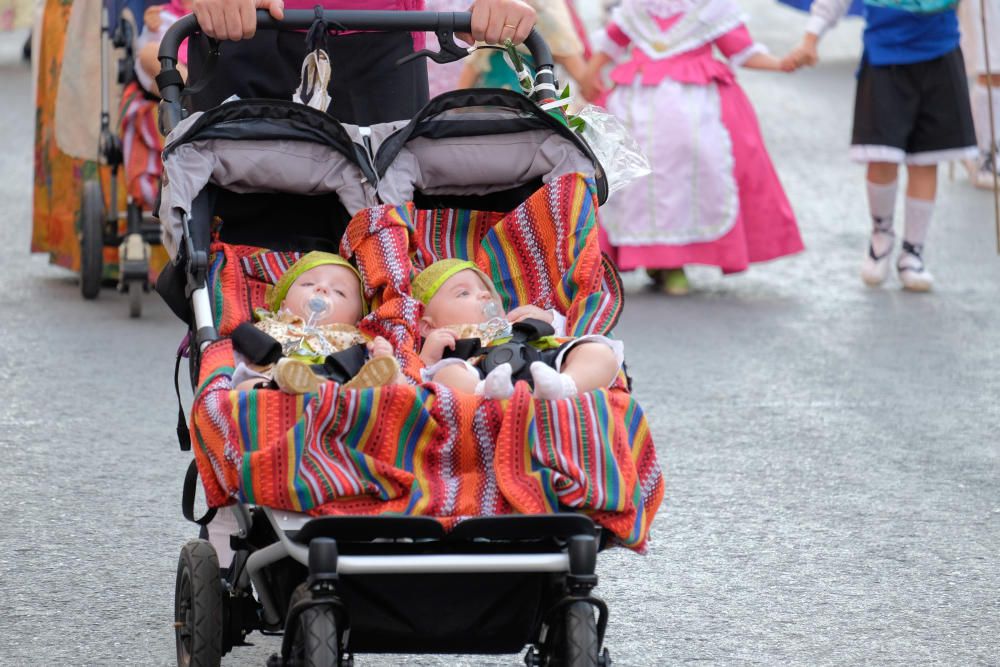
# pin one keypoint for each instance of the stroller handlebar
(444, 24)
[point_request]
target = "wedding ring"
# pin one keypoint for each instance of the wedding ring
(512, 27)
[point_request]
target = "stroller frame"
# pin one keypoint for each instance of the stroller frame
(341, 585)
(556, 555)
(99, 221)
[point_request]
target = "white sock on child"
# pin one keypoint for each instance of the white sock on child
(882, 205)
(550, 384)
(918, 221)
(497, 383)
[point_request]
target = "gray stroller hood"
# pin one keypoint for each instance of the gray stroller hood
(464, 143)
(261, 146)
(478, 142)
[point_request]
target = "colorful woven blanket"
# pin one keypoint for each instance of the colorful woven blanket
(142, 144)
(427, 450)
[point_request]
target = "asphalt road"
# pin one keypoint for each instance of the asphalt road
(829, 450)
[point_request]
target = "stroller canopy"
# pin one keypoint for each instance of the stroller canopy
(464, 143)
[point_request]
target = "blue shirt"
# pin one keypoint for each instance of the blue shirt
(900, 32)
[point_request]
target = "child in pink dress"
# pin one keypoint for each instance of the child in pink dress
(713, 197)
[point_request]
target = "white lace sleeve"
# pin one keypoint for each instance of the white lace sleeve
(824, 14)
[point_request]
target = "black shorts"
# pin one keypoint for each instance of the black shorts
(917, 113)
(366, 85)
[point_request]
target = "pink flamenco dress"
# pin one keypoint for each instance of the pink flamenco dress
(713, 197)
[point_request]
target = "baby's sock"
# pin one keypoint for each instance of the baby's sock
(550, 384)
(918, 221)
(497, 383)
(981, 114)
(882, 205)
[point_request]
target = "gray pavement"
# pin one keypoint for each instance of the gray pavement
(829, 451)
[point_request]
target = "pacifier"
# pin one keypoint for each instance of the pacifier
(491, 310)
(318, 308)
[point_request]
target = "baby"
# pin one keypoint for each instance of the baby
(310, 324)
(460, 302)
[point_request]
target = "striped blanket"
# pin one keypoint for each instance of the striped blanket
(141, 145)
(425, 449)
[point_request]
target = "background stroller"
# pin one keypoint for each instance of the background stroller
(340, 585)
(130, 151)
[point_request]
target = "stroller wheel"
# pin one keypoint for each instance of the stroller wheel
(91, 240)
(134, 298)
(198, 606)
(316, 639)
(575, 642)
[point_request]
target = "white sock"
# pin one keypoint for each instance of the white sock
(981, 114)
(918, 221)
(550, 384)
(882, 206)
(497, 383)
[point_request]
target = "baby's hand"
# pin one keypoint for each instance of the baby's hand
(379, 347)
(436, 343)
(529, 311)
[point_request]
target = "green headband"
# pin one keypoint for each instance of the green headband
(429, 281)
(276, 293)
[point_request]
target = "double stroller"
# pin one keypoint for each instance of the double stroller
(405, 518)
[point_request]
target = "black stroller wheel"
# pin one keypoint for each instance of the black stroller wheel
(134, 299)
(316, 638)
(91, 240)
(198, 606)
(575, 641)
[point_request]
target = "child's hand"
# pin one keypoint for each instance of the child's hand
(529, 311)
(805, 54)
(151, 17)
(591, 83)
(379, 347)
(435, 344)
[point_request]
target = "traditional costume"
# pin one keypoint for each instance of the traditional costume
(713, 197)
(912, 107)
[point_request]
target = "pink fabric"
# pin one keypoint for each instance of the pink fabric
(617, 35)
(735, 41)
(765, 228)
(177, 9)
(696, 66)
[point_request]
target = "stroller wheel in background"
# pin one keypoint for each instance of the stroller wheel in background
(134, 299)
(133, 261)
(316, 638)
(91, 240)
(198, 606)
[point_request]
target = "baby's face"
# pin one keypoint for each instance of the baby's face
(338, 285)
(460, 300)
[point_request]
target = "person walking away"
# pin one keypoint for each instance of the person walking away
(912, 108)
